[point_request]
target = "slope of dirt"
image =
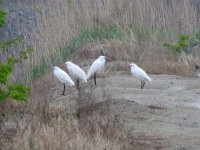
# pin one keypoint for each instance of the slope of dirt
(163, 115)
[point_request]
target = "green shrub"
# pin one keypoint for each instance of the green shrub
(7, 90)
(185, 42)
(2, 17)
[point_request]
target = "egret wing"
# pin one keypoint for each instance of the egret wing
(63, 77)
(77, 72)
(140, 74)
(96, 66)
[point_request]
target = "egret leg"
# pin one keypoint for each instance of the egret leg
(77, 84)
(142, 84)
(63, 90)
(95, 82)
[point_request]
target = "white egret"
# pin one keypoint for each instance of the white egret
(63, 77)
(76, 72)
(139, 73)
(96, 67)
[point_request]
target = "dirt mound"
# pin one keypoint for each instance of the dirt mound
(163, 115)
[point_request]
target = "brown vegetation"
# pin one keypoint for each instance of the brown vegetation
(49, 125)
(149, 24)
(74, 121)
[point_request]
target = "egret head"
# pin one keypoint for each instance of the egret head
(67, 63)
(132, 65)
(104, 58)
(55, 67)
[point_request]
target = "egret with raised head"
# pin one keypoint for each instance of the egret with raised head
(96, 67)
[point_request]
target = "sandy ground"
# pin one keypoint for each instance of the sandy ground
(164, 115)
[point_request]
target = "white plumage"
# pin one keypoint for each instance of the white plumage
(139, 73)
(96, 67)
(63, 77)
(76, 71)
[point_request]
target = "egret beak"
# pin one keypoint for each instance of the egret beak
(129, 66)
(62, 66)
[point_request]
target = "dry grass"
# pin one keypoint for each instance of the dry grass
(62, 134)
(146, 25)
(70, 122)
(152, 58)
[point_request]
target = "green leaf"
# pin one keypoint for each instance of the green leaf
(14, 91)
(9, 43)
(18, 92)
(30, 49)
(3, 94)
(182, 43)
(183, 37)
(12, 61)
(5, 70)
(23, 54)
(2, 17)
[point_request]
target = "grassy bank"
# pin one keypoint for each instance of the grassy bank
(137, 41)
(63, 26)
(85, 35)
